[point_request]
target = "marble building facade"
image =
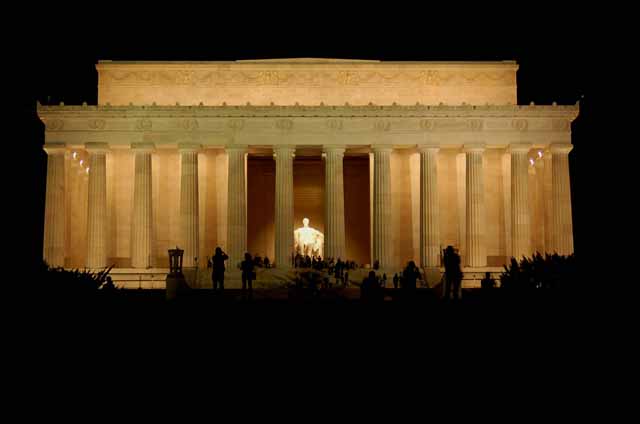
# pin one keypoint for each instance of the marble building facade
(392, 161)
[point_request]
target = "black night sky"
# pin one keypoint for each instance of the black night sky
(550, 46)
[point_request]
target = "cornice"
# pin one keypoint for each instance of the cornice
(95, 114)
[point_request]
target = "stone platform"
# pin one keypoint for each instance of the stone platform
(271, 278)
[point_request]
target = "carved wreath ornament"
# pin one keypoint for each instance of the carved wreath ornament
(54, 124)
(143, 124)
(560, 125)
(474, 124)
(189, 124)
(427, 124)
(334, 124)
(97, 124)
(382, 125)
(236, 124)
(284, 124)
(520, 124)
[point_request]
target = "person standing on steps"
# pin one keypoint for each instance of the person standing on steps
(217, 275)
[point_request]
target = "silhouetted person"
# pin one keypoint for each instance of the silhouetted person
(370, 289)
(217, 275)
(396, 280)
(247, 272)
(453, 272)
(411, 275)
(267, 264)
(108, 285)
(487, 283)
(346, 279)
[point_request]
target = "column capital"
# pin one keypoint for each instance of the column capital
(519, 148)
(284, 150)
(474, 147)
(97, 147)
(189, 147)
(55, 148)
(333, 148)
(143, 147)
(433, 148)
(560, 148)
(381, 148)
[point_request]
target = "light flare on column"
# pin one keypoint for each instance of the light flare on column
(97, 206)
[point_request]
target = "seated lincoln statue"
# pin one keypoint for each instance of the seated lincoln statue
(308, 240)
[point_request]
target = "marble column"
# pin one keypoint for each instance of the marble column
(55, 214)
(142, 223)
(284, 205)
(236, 207)
(189, 217)
(429, 207)
(382, 247)
(97, 206)
(562, 229)
(476, 255)
(520, 207)
(334, 203)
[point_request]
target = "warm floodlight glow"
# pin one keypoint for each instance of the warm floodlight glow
(539, 154)
(75, 155)
(531, 161)
(81, 162)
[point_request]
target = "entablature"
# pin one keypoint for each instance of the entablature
(273, 125)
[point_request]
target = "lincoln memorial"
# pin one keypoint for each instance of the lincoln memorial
(386, 161)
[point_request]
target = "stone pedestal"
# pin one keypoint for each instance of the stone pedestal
(176, 284)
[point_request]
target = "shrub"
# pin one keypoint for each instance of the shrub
(541, 272)
(58, 281)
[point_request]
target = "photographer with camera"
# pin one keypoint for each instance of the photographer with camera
(217, 275)
(452, 272)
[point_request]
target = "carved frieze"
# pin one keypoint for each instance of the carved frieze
(222, 77)
(452, 124)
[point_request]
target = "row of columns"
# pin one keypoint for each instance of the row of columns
(141, 248)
